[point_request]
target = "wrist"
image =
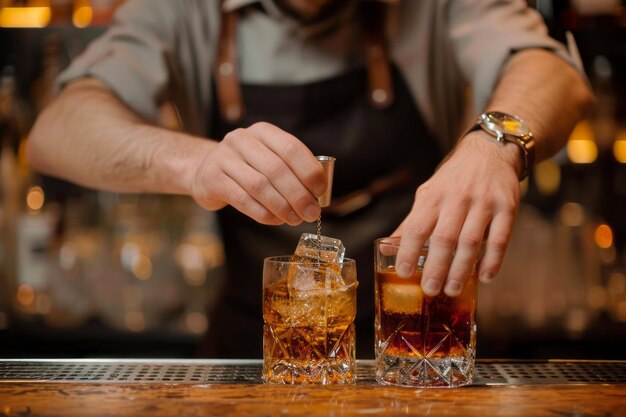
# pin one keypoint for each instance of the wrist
(503, 152)
(509, 129)
(178, 160)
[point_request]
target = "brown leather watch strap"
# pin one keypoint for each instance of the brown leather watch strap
(226, 80)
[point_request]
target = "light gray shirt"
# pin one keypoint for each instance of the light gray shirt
(158, 50)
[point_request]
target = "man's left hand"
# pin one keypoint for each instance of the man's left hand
(472, 197)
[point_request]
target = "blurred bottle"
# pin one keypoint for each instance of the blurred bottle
(9, 184)
(13, 127)
(43, 89)
(74, 255)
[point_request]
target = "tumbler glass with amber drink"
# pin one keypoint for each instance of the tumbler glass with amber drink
(309, 305)
(419, 340)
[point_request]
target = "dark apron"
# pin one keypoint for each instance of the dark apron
(332, 117)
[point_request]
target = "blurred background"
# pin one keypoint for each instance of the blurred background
(94, 274)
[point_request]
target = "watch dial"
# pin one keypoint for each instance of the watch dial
(509, 125)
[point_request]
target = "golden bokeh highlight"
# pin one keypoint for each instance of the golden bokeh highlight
(35, 199)
(25, 17)
(603, 236)
(582, 151)
(82, 16)
(572, 214)
(196, 322)
(25, 295)
(142, 267)
(135, 321)
(548, 177)
(581, 147)
(619, 150)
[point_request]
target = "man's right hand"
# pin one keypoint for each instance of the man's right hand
(262, 171)
(101, 143)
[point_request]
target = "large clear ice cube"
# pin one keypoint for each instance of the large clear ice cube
(326, 249)
(306, 286)
(305, 276)
(313, 285)
(318, 294)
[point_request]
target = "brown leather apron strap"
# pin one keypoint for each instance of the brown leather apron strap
(378, 66)
(226, 80)
(373, 17)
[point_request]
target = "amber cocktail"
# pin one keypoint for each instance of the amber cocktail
(309, 308)
(421, 341)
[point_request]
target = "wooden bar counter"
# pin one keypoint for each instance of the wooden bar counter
(233, 388)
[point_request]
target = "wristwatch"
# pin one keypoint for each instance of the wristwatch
(506, 128)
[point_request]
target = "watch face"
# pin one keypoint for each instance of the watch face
(508, 125)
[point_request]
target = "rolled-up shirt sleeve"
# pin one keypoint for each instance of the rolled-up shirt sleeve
(133, 57)
(485, 33)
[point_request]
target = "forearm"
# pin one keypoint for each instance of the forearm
(89, 137)
(547, 93)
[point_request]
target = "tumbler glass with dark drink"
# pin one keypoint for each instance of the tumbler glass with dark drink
(309, 306)
(421, 341)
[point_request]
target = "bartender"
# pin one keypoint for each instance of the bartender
(392, 88)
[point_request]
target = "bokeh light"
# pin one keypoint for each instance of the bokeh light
(603, 236)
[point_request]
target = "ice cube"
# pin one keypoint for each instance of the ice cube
(402, 298)
(333, 280)
(330, 250)
(318, 294)
(305, 276)
(340, 298)
(306, 295)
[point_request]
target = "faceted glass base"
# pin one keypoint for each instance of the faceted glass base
(443, 362)
(324, 372)
(425, 372)
(296, 356)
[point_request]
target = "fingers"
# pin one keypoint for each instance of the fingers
(259, 189)
(298, 157)
(467, 249)
(498, 237)
(416, 229)
(241, 200)
(455, 232)
(276, 170)
(474, 190)
(441, 250)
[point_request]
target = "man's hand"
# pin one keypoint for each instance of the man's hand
(473, 195)
(262, 171)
